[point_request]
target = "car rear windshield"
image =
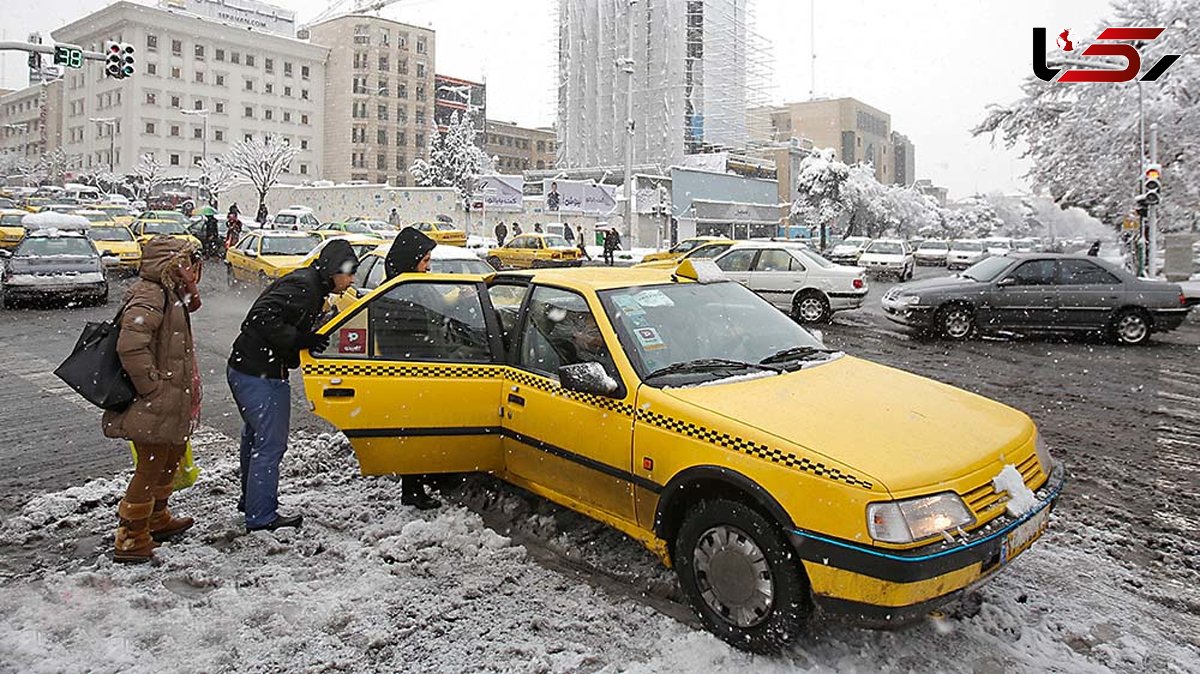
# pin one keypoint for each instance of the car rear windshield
(50, 246)
(168, 215)
(109, 234)
(934, 245)
(885, 247)
(968, 246)
(556, 242)
(288, 245)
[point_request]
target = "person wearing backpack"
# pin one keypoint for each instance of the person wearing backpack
(155, 348)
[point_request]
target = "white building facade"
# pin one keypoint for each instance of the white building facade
(690, 79)
(252, 84)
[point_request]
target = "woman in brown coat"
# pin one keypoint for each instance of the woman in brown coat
(155, 347)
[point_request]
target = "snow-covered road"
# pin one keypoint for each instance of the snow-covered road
(370, 585)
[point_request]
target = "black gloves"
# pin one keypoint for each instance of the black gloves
(313, 342)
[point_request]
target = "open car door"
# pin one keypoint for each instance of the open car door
(412, 376)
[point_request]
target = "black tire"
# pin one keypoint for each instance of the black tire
(495, 262)
(956, 322)
(759, 625)
(230, 279)
(811, 307)
(1130, 327)
(911, 272)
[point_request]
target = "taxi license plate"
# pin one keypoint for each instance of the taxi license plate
(1020, 538)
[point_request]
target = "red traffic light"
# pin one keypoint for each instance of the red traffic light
(1153, 173)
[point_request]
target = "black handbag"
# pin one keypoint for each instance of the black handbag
(94, 369)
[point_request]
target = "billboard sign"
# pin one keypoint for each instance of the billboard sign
(500, 192)
(248, 13)
(578, 196)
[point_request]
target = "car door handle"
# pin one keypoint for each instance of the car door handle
(338, 393)
(516, 400)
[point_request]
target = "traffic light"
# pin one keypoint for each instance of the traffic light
(1152, 181)
(118, 61)
(1143, 208)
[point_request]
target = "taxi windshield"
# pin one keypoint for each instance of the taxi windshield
(109, 234)
(11, 218)
(174, 216)
(657, 327)
(287, 245)
(553, 241)
(169, 228)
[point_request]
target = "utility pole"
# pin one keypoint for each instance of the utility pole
(111, 123)
(627, 67)
(1152, 214)
(203, 113)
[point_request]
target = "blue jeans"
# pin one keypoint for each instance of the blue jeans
(266, 409)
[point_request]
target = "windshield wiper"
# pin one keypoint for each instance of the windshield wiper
(709, 364)
(797, 353)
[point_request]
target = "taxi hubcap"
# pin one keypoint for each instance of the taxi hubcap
(1132, 328)
(733, 576)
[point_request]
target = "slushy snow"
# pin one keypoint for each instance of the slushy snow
(1020, 497)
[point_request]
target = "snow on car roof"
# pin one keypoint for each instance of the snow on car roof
(52, 219)
(440, 252)
(284, 233)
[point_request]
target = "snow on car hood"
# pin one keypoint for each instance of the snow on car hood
(938, 283)
(906, 432)
(881, 257)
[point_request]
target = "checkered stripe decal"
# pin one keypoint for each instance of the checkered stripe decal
(433, 371)
(547, 385)
(752, 448)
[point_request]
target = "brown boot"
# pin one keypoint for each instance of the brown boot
(134, 544)
(164, 525)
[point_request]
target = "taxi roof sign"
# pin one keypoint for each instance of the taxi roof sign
(700, 271)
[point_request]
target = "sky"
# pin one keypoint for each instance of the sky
(934, 66)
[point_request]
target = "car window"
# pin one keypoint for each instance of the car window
(886, 248)
(371, 271)
(248, 242)
(561, 330)
(506, 300)
(460, 267)
(423, 321)
(1083, 272)
(685, 246)
(55, 245)
(708, 252)
(285, 219)
(738, 260)
(109, 234)
(777, 260)
(169, 228)
(1034, 273)
(287, 245)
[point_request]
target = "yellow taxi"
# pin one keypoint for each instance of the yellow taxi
(372, 272)
(703, 251)
(121, 248)
(265, 255)
(36, 204)
(677, 251)
(362, 246)
(11, 231)
(445, 233)
(534, 251)
(119, 214)
(154, 223)
(783, 480)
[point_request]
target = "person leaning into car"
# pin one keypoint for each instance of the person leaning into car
(156, 349)
(282, 322)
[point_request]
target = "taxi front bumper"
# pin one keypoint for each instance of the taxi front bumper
(878, 587)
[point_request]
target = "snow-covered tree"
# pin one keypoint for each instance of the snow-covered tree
(53, 165)
(260, 162)
(1083, 138)
(220, 176)
(148, 174)
(454, 159)
(823, 195)
(14, 165)
(973, 217)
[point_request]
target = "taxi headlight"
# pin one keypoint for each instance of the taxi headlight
(1043, 454)
(915, 519)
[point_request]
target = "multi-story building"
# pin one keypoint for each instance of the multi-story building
(926, 187)
(690, 79)
(455, 95)
(31, 121)
(904, 153)
(517, 148)
(379, 97)
(250, 83)
(857, 132)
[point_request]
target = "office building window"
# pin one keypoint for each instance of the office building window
(250, 60)
(219, 136)
(198, 52)
(268, 114)
(220, 108)
(176, 48)
(287, 68)
(151, 43)
(220, 80)
(198, 133)
(381, 137)
(287, 91)
(149, 128)
(421, 70)
(151, 68)
(420, 44)
(269, 88)
(304, 94)
(249, 85)
(219, 54)
(303, 143)
(381, 162)
(269, 65)
(175, 102)
(235, 57)
(174, 130)
(401, 162)
(383, 112)
(287, 116)
(304, 169)
(303, 72)
(249, 112)
(304, 119)
(174, 160)
(197, 104)
(383, 63)
(151, 98)
(175, 73)
(199, 75)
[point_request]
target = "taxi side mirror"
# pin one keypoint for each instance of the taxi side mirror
(586, 378)
(250, 253)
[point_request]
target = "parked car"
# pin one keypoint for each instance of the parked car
(443, 260)
(293, 218)
(847, 250)
(798, 281)
(964, 253)
(374, 228)
(117, 245)
(1039, 292)
(443, 232)
(11, 229)
(998, 245)
(932, 252)
(636, 397)
(680, 249)
(53, 262)
(888, 257)
(162, 223)
(704, 251)
(534, 251)
(263, 255)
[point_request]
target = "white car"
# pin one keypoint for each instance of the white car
(848, 250)
(796, 279)
(892, 257)
(964, 253)
(932, 252)
(296, 218)
(998, 245)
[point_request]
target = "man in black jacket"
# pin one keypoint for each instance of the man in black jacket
(282, 321)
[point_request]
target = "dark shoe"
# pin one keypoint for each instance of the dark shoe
(420, 501)
(280, 522)
(241, 505)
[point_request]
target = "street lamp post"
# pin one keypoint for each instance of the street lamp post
(111, 123)
(203, 114)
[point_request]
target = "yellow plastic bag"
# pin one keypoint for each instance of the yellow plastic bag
(185, 474)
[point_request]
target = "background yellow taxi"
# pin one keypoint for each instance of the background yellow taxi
(119, 214)
(169, 223)
(123, 249)
(11, 231)
(534, 251)
(677, 251)
(704, 251)
(779, 477)
(445, 233)
(265, 255)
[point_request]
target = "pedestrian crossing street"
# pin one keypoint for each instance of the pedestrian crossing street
(1177, 449)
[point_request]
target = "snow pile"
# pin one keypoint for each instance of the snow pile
(1020, 497)
(371, 585)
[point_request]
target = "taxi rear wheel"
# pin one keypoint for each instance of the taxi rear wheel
(740, 577)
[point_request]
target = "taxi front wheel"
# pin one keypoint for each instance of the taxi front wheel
(740, 576)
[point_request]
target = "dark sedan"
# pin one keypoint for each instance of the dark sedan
(1028, 293)
(53, 263)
